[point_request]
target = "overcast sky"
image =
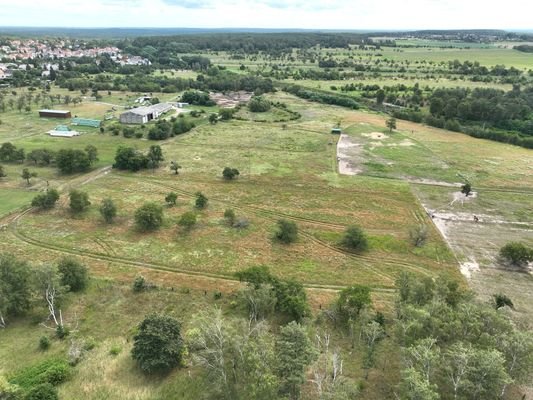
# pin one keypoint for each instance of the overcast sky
(310, 14)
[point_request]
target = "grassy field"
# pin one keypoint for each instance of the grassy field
(288, 170)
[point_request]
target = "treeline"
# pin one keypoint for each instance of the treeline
(248, 43)
(321, 97)
(482, 112)
(215, 79)
(526, 48)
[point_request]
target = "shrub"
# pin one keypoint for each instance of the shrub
(230, 173)
(46, 201)
(352, 300)
(171, 199)
(44, 343)
(258, 104)
(44, 391)
(52, 371)
(139, 284)
(501, 300)
(217, 295)
(418, 235)
(73, 274)
(158, 345)
(149, 217)
(62, 331)
(79, 201)
(108, 210)
(115, 350)
(229, 216)
(466, 189)
(287, 231)
(241, 223)
(187, 220)
(355, 239)
(516, 253)
(201, 201)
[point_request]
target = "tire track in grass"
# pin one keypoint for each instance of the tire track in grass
(150, 265)
(363, 260)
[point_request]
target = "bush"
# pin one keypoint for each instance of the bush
(241, 223)
(187, 220)
(229, 216)
(418, 235)
(516, 253)
(108, 210)
(171, 199)
(158, 345)
(46, 201)
(62, 331)
(201, 201)
(52, 371)
(44, 343)
(79, 201)
(352, 300)
(44, 391)
(149, 217)
(355, 239)
(115, 350)
(501, 300)
(73, 274)
(230, 173)
(139, 284)
(287, 231)
(258, 104)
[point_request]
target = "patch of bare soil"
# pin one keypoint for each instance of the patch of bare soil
(347, 152)
(375, 135)
(231, 99)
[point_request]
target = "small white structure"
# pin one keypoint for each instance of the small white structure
(63, 131)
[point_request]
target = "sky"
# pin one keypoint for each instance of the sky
(305, 14)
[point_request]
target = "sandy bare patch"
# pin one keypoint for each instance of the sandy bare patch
(347, 153)
(432, 182)
(467, 268)
(375, 135)
(461, 197)
(406, 143)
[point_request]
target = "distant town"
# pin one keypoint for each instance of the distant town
(17, 54)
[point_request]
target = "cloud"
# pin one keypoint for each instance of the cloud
(310, 14)
(193, 4)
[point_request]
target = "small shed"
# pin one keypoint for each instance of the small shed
(336, 131)
(54, 114)
(63, 131)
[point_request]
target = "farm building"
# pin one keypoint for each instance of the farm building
(337, 131)
(54, 114)
(142, 115)
(63, 131)
(86, 122)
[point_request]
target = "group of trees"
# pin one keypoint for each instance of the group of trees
(131, 159)
(454, 346)
(23, 286)
(68, 161)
